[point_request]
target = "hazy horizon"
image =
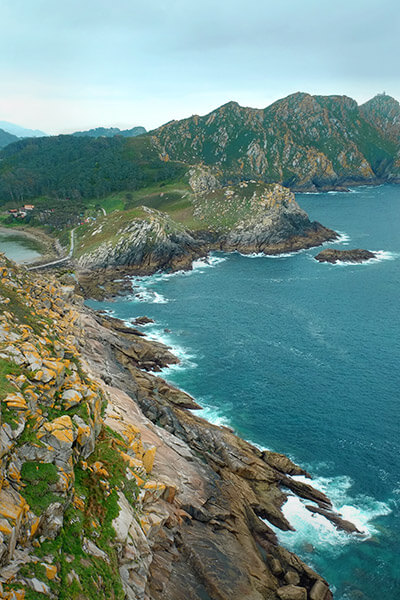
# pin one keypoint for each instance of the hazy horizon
(73, 67)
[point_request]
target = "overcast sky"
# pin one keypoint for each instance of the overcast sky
(75, 64)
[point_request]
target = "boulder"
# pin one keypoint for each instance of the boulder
(292, 592)
(319, 591)
(142, 320)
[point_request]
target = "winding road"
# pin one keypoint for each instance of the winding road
(59, 260)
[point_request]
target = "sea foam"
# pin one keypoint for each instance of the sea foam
(380, 256)
(185, 357)
(312, 529)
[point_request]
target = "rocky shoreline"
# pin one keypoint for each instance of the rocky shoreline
(109, 281)
(216, 542)
(201, 525)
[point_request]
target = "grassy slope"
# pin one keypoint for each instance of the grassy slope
(174, 198)
(218, 210)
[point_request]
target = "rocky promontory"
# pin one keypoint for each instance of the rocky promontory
(333, 256)
(110, 487)
(248, 217)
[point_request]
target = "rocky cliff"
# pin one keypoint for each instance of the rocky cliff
(303, 142)
(247, 217)
(110, 487)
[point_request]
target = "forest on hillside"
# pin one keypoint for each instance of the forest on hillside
(68, 167)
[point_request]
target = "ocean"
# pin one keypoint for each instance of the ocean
(303, 358)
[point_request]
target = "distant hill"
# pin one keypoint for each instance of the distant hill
(6, 138)
(110, 132)
(304, 142)
(21, 132)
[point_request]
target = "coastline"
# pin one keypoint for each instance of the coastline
(209, 534)
(257, 476)
(108, 282)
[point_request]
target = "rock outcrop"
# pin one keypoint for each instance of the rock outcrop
(333, 256)
(248, 217)
(65, 477)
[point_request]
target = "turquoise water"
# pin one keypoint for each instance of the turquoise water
(19, 248)
(303, 358)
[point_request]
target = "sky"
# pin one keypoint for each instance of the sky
(76, 64)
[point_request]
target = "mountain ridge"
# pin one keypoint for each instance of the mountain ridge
(302, 141)
(20, 131)
(110, 132)
(6, 138)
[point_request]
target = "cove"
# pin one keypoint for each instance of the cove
(18, 247)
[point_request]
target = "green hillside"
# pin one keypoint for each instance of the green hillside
(64, 167)
(302, 141)
(6, 138)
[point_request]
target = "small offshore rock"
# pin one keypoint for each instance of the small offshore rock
(354, 256)
(142, 320)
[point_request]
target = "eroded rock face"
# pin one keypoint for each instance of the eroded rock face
(248, 217)
(333, 256)
(222, 494)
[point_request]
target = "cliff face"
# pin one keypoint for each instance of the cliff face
(248, 217)
(110, 487)
(304, 142)
(65, 478)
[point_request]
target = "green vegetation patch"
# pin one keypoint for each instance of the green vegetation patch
(38, 478)
(94, 577)
(101, 505)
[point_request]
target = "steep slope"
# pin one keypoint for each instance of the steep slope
(302, 141)
(63, 474)
(383, 113)
(6, 138)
